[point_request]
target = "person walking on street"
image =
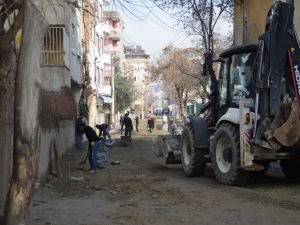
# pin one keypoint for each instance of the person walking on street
(149, 124)
(127, 122)
(152, 117)
(137, 122)
(121, 119)
(94, 145)
(121, 123)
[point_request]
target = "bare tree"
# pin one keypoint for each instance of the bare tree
(200, 17)
(171, 70)
(8, 58)
(19, 77)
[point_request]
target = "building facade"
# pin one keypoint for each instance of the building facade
(250, 18)
(95, 29)
(61, 77)
(137, 68)
(114, 62)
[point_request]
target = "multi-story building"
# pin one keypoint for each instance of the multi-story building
(250, 18)
(61, 76)
(114, 51)
(137, 68)
(71, 39)
(95, 28)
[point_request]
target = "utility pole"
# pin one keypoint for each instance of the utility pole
(112, 89)
(143, 100)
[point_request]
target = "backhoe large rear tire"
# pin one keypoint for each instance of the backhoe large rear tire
(192, 158)
(225, 156)
(291, 169)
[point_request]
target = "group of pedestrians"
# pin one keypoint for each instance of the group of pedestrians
(94, 140)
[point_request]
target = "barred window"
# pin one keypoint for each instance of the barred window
(53, 49)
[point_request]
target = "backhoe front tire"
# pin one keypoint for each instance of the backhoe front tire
(225, 156)
(192, 159)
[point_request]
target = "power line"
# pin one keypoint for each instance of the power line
(157, 16)
(135, 10)
(162, 9)
(182, 41)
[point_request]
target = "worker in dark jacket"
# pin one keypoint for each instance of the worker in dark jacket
(137, 122)
(104, 129)
(94, 145)
(127, 122)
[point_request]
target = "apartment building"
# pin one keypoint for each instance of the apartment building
(95, 29)
(72, 65)
(61, 77)
(137, 68)
(114, 61)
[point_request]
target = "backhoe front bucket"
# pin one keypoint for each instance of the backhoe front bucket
(288, 132)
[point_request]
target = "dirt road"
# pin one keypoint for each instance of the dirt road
(144, 191)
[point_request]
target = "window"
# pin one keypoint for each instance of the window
(114, 23)
(240, 77)
(97, 77)
(101, 46)
(100, 11)
(97, 42)
(115, 43)
(53, 48)
(107, 74)
(73, 39)
(107, 81)
(223, 83)
(101, 77)
(96, 8)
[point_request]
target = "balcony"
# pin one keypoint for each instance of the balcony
(113, 15)
(114, 35)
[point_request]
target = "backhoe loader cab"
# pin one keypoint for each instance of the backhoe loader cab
(235, 81)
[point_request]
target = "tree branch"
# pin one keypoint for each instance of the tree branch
(9, 36)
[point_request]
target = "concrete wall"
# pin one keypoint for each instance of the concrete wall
(249, 20)
(64, 136)
(75, 46)
(53, 11)
(250, 17)
(53, 78)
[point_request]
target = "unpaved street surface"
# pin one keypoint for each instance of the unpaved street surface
(142, 190)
